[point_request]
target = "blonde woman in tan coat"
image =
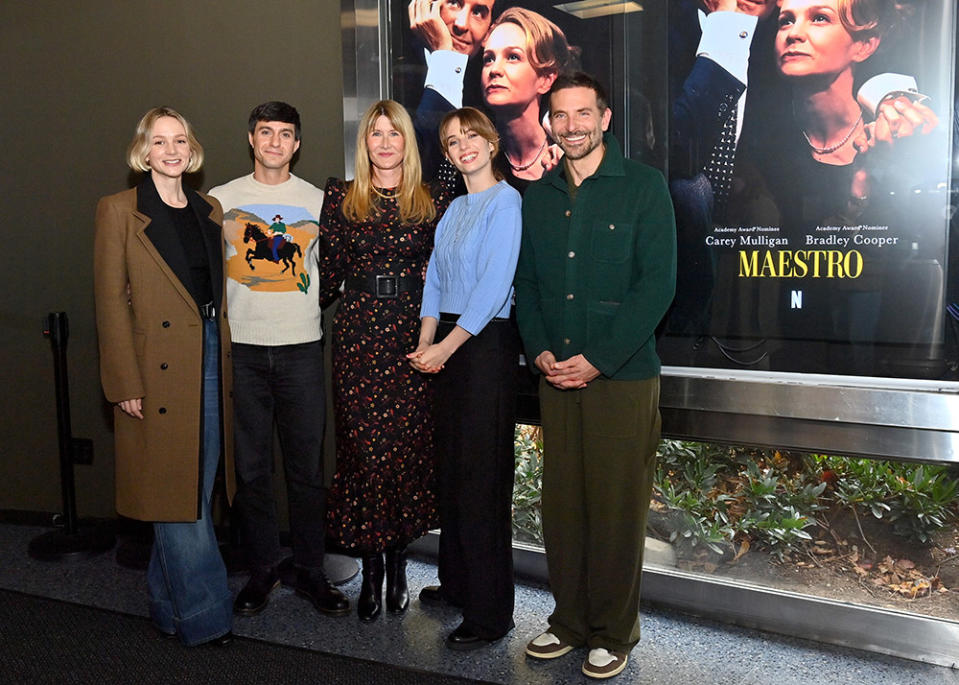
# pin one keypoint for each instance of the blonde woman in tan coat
(164, 363)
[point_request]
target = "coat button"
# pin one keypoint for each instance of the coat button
(566, 341)
(164, 366)
(162, 410)
(166, 324)
(612, 227)
(568, 213)
(569, 296)
(571, 254)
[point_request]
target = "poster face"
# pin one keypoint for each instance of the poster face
(813, 229)
(509, 51)
(807, 146)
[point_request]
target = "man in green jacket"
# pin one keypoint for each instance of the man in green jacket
(596, 274)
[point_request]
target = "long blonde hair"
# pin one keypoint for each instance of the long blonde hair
(413, 197)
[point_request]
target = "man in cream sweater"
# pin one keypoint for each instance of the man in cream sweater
(274, 315)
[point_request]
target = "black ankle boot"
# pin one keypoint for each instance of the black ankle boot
(397, 592)
(370, 603)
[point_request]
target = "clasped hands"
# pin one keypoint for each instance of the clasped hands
(569, 374)
(429, 357)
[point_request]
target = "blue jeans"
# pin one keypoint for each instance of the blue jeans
(281, 384)
(186, 577)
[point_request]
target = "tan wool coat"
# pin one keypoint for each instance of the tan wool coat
(151, 346)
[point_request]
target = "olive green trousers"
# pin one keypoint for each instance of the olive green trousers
(599, 450)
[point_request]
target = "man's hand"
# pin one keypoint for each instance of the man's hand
(574, 372)
(544, 362)
(720, 5)
(426, 24)
(896, 118)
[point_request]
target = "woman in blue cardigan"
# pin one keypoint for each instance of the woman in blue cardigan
(469, 340)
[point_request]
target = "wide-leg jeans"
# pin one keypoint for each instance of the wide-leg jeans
(186, 576)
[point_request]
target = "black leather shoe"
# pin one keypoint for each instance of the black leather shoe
(463, 639)
(326, 598)
(397, 591)
(433, 594)
(255, 595)
(370, 603)
(162, 634)
(222, 641)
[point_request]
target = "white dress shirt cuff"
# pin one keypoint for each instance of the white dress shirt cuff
(445, 70)
(883, 86)
(725, 40)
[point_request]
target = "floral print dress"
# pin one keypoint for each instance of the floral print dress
(383, 491)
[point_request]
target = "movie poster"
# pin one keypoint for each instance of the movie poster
(448, 53)
(811, 186)
(807, 147)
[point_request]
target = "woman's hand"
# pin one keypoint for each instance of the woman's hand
(427, 25)
(132, 407)
(429, 358)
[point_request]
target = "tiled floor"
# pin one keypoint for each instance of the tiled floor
(674, 649)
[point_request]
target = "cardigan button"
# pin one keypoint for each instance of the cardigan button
(569, 296)
(612, 227)
(571, 254)
(164, 366)
(568, 212)
(566, 341)
(162, 410)
(166, 324)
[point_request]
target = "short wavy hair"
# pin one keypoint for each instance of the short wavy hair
(864, 19)
(547, 49)
(139, 149)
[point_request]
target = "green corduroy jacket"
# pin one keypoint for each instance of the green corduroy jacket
(596, 274)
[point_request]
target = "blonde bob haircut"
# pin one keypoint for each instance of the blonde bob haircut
(414, 200)
(471, 119)
(139, 149)
(547, 49)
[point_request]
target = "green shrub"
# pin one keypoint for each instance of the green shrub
(717, 496)
(528, 484)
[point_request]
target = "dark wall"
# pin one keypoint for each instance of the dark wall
(75, 79)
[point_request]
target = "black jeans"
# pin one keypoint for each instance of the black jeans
(282, 383)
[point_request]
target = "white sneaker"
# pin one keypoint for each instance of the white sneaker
(547, 646)
(601, 663)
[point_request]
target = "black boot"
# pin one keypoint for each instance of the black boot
(397, 592)
(371, 591)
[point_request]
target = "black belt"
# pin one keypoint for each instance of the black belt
(381, 286)
(208, 311)
(453, 318)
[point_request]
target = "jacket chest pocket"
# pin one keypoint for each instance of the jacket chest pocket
(611, 242)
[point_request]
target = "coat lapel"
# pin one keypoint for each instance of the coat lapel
(212, 241)
(159, 237)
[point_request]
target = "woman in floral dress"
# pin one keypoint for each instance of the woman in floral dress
(376, 236)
